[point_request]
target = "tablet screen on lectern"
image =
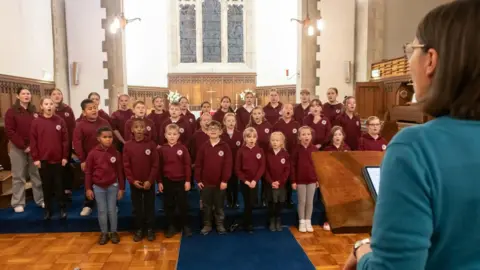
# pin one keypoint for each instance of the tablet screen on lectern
(372, 176)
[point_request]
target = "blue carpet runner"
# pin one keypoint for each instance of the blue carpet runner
(31, 221)
(242, 251)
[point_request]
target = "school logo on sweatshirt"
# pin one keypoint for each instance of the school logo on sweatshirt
(179, 152)
(35, 115)
(58, 127)
(238, 143)
(294, 131)
(149, 128)
(67, 114)
(337, 111)
(220, 153)
(384, 147)
(148, 152)
(259, 156)
(113, 159)
(324, 122)
(181, 130)
(282, 161)
(358, 123)
(191, 120)
(267, 130)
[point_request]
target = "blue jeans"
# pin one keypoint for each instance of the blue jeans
(106, 199)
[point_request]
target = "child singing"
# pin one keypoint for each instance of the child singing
(49, 147)
(119, 118)
(140, 161)
(276, 175)
(243, 113)
(158, 116)
(205, 107)
(320, 125)
(249, 167)
(139, 111)
(181, 122)
(372, 140)
(234, 139)
(349, 120)
(105, 182)
(332, 108)
(337, 143)
(225, 103)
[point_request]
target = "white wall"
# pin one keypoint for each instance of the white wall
(84, 39)
(146, 43)
(26, 43)
(276, 41)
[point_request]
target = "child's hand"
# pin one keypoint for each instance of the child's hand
(223, 186)
(138, 184)
(294, 186)
(160, 187)
(275, 185)
(193, 165)
(317, 184)
(318, 146)
(120, 194)
(82, 166)
(27, 150)
(159, 146)
(89, 194)
(188, 186)
(247, 183)
(147, 185)
(64, 162)
(253, 184)
(37, 164)
(200, 185)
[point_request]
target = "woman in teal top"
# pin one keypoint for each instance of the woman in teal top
(428, 210)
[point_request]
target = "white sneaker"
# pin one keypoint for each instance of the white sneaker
(326, 226)
(86, 211)
(301, 226)
(308, 225)
(42, 205)
(18, 209)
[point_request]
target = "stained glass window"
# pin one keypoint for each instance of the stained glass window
(235, 33)
(188, 34)
(211, 29)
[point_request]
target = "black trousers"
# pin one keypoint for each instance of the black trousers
(68, 173)
(213, 200)
(288, 188)
(249, 198)
(274, 209)
(143, 202)
(232, 190)
(52, 178)
(175, 195)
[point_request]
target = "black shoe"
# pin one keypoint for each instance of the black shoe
(138, 236)
(187, 232)
(103, 239)
(249, 229)
(151, 235)
(278, 224)
(115, 238)
(171, 231)
(272, 226)
(221, 229)
(289, 204)
(47, 215)
(63, 213)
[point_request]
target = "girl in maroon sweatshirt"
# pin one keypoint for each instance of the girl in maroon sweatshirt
(372, 140)
(276, 175)
(95, 97)
(205, 107)
(243, 113)
(234, 139)
(337, 142)
(119, 118)
(105, 182)
(49, 146)
(320, 125)
(225, 104)
(349, 120)
(187, 115)
(18, 120)
(332, 108)
(249, 167)
(158, 116)
(139, 111)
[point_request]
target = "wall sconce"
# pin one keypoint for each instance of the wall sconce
(120, 22)
(309, 24)
(75, 73)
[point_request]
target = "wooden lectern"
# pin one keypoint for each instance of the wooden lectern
(348, 204)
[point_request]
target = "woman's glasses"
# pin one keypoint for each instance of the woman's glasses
(409, 48)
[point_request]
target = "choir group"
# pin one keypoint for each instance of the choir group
(222, 153)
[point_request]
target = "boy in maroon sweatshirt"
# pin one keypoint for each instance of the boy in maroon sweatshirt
(105, 182)
(140, 161)
(181, 122)
(139, 113)
(119, 118)
(213, 167)
(174, 179)
(49, 147)
(85, 139)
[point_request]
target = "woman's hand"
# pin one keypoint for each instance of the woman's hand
(351, 263)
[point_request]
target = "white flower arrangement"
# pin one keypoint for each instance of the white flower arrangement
(245, 92)
(173, 96)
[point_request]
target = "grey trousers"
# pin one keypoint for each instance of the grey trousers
(305, 195)
(22, 164)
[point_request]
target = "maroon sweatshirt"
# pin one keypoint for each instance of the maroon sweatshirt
(17, 126)
(185, 133)
(66, 113)
(219, 115)
(263, 132)
(321, 129)
(299, 113)
(175, 163)
(213, 164)
(243, 117)
(197, 140)
(158, 119)
(190, 119)
(49, 139)
(368, 143)
(140, 161)
(150, 130)
(250, 163)
(235, 141)
(332, 111)
(273, 114)
(352, 129)
(85, 136)
(119, 118)
(333, 148)
(104, 168)
(290, 131)
(302, 171)
(277, 167)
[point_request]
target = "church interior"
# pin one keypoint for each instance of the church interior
(205, 50)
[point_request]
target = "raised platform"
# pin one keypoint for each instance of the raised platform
(31, 221)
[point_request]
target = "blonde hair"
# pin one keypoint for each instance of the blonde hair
(251, 121)
(305, 128)
(248, 131)
(281, 135)
(286, 105)
(43, 99)
(172, 127)
(228, 115)
(371, 118)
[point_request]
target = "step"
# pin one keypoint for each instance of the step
(5, 181)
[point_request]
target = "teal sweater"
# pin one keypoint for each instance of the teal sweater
(428, 210)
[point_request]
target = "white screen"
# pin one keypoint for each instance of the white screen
(374, 174)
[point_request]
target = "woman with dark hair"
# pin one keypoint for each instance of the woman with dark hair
(18, 120)
(426, 216)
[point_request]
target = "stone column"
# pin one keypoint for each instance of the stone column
(114, 47)
(60, 54)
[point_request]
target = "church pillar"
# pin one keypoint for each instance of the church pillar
(60, 53)
(114, 47)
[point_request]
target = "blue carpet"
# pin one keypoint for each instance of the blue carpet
(31, 221)
(242, 251)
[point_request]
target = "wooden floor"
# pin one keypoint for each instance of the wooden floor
(71, 250)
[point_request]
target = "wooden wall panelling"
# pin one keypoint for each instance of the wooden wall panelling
(287, 93)
(370, 100)
(145, 94)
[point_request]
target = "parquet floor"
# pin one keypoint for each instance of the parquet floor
(79, 250)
